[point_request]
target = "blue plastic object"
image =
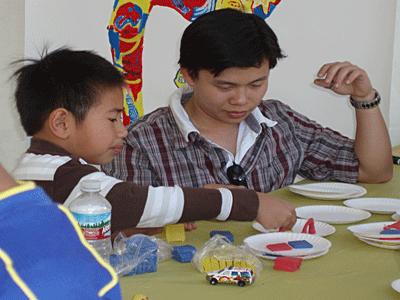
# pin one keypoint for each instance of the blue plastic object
(227, 234)
(139, 249)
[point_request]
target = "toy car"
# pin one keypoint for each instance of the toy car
(241, 276)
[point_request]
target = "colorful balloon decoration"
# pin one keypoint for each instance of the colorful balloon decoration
(126, 36)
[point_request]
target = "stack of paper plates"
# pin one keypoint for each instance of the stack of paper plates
(321, 228)
(370, 234)
(375, 205)
(332, 214)
(259, 242)
(329, 190)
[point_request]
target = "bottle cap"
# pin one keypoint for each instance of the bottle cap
(90, 186)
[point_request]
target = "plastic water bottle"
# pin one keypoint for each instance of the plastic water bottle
(93, 213)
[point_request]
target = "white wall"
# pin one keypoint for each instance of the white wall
(12, 20)
(394, 112)
(311, 33)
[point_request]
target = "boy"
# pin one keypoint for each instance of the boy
(71, 103)
(218, 129)
(43, 252)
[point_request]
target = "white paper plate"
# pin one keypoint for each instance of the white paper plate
(394, 242)
(321, 229)
(332, 214)
(396, 217)
(273, 257)
(380, 245)
(372, 230)
(375, 205)
(329, 190)
(396, 285)
(259, 243)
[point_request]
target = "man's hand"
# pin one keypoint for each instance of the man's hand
(346, 79)
(274, 213)
(226, 186)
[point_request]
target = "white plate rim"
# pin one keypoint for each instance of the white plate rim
(362, 203)
(363, 215)
(319, 226)
(323, 187)
(309, 190)
(284, 237)
(372, 226)
(273, 257)
(328, 196)
(396, 285)
(379, 245)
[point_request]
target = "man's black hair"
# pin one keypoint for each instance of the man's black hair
(228, 38)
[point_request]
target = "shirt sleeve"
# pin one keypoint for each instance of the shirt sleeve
(328, 155)
(158, 206)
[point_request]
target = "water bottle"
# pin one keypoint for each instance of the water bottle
(93, 213)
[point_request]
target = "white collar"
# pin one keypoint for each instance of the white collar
(253, 121)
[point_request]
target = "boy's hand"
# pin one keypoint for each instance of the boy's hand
(189, 226)
(275, 213)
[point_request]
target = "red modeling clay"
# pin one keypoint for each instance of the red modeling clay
(279, 247)
(395, 226)
(288, 264)
(309, 227)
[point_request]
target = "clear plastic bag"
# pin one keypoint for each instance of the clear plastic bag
(219, 253)
(138, 254)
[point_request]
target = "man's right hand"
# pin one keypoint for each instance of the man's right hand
(274, 213)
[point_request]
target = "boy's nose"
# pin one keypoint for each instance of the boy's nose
(122, 131)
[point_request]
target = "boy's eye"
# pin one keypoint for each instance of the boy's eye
(113, 120)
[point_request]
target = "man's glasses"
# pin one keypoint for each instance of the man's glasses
(236, 175)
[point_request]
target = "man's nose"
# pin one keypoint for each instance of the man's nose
(240, 96)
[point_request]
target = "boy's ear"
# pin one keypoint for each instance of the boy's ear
(186, 75)
(60, 123)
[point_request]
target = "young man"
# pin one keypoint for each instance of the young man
(71, 103)
(218, 129)
(43, 252)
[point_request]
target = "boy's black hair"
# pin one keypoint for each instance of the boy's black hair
(64, 78)
(228, 38)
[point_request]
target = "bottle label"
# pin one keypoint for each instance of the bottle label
(94, 226)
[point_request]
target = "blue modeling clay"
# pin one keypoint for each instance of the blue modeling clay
(183, 253)
(390, 231)
(300, 244)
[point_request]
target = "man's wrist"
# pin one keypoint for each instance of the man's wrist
(367, 102)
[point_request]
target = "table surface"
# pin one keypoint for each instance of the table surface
(351, 269)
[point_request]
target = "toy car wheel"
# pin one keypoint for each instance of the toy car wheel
(241, 283)
(213, 281)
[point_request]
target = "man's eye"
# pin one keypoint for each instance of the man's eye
(113, 120)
